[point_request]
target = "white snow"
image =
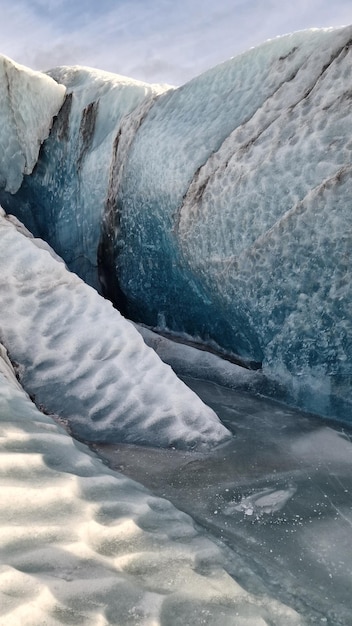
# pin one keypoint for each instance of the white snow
(28, 102)
(83, 361)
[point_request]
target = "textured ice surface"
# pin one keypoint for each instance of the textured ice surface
(220, 209)
(83, 361)
(28, 102)
(81, 544)
(65, 200)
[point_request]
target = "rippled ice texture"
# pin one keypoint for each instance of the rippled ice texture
(82, 360)
(81, 544)
(251, 175)
(220, 209)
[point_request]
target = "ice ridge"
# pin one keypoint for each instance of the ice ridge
(80, 359)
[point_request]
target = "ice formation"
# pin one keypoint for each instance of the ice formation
(82, 544)
(28, 103)
(83, 361)
(68, 195)
(219, 209)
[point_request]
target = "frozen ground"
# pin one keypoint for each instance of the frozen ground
(279, 496)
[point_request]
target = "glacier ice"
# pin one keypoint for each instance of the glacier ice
(82, 544)
(76, 162)
(28, 103)
(278, 493)
(84, 362)
(219, 209)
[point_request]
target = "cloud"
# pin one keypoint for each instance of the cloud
(159, 40)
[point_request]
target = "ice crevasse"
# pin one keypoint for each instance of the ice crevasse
(220, 209)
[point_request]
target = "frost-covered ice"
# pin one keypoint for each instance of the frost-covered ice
(81, 544)
(83, 361)
(28, 103)
(220, 209)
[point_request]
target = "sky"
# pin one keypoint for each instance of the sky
(153, 40)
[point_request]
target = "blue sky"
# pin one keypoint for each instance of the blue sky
(153, 40)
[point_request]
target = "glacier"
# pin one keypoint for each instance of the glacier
(215, 217)
(217, 210)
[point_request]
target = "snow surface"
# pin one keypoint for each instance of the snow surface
(81, 544)
(28, 103)
(83, 361)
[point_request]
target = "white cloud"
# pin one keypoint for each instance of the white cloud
(160, 40)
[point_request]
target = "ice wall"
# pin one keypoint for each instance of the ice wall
(80, 359)
(68, 195)
(220, 209)
(28, 103)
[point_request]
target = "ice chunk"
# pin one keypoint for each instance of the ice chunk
(83, 361)
(66, 198)
(28, 103)
(219, 209)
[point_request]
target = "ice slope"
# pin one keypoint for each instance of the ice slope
(28, 103)
(222, 208)
(83, 361)
(81, 544)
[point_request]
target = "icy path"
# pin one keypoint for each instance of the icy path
(81, 544)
